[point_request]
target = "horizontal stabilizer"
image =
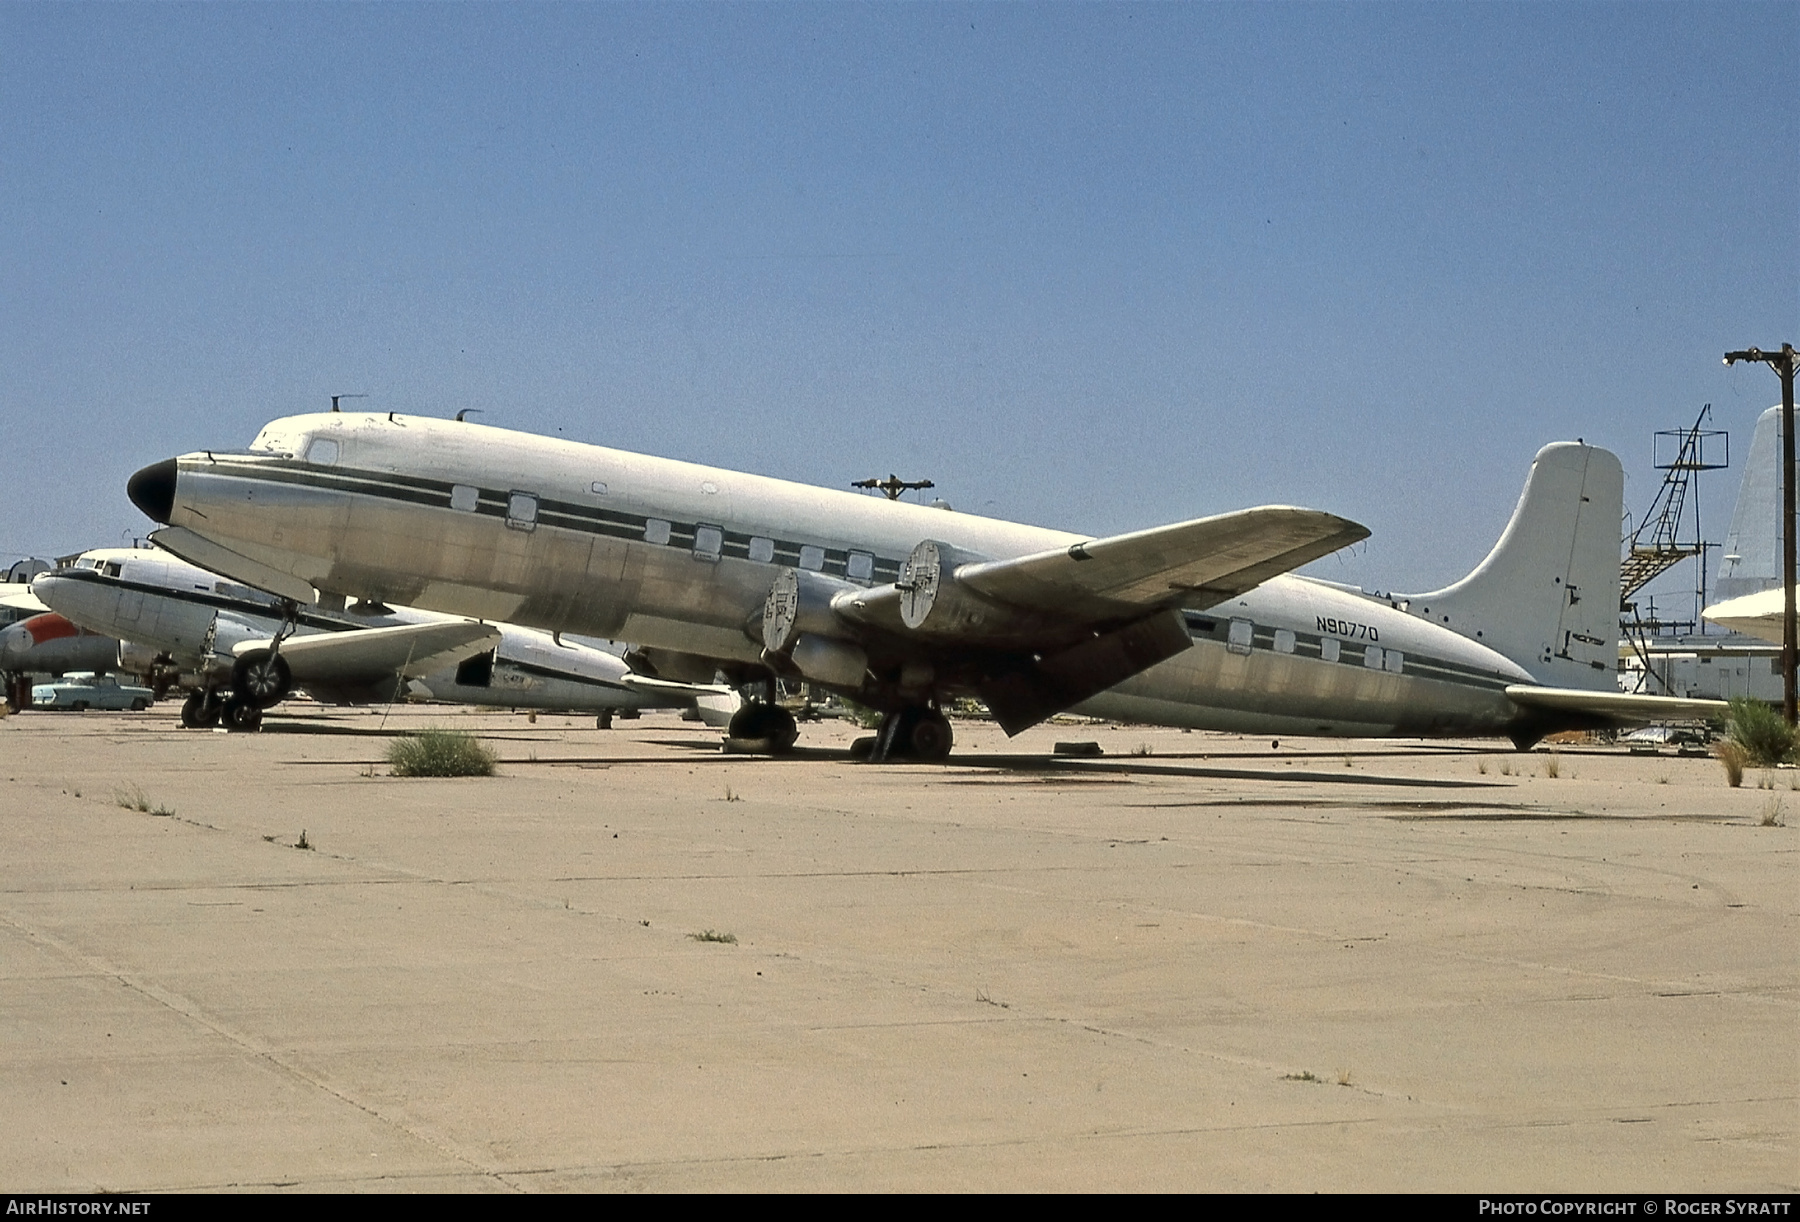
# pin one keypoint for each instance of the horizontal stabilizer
(367, 654)
(668, 687)
(1192, 564)
(1616, 708)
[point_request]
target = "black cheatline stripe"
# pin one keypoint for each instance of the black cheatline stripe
(213, 601)
(1307, 645)
(547, 672)
(407, 488)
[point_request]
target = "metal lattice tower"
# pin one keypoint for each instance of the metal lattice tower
(1670, 530)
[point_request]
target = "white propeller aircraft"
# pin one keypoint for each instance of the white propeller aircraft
(175, 616)
(902, 607)
(34, 640)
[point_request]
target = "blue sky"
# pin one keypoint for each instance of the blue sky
(1096, 267)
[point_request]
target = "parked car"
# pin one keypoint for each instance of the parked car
(80, 691)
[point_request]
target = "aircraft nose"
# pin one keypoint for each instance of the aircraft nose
(153, 490)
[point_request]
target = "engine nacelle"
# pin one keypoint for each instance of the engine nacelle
(823, 660)
(799, 603)
(934, 603)
(136, 659)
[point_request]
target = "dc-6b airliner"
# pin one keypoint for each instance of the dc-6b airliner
(903, 607)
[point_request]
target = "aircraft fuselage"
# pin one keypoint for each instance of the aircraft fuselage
(482, 522)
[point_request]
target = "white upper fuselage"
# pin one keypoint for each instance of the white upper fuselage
(470, 520)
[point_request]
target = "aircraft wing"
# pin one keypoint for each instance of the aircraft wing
(1195, 564)
(1617, 708)
(1038, 634)
(365, 654)
(210, 556)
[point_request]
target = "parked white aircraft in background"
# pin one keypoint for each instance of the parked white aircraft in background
(1751, 596)
(34, 640)
(902, 607)
(178, 617)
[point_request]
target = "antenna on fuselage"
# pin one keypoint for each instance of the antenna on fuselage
(465, 411)
(335, 398)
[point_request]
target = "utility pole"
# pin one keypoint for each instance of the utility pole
(1783, 364)
(893, 485)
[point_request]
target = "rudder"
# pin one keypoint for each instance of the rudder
(1547, 596)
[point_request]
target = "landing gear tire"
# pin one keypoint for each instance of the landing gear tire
(764, 723)
(241, 716)
(262, 678)
(930, 736)
(915, 733)
(604, 721)
(200, 711)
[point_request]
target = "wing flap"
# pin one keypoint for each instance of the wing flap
(1195, 564)
(365, 654)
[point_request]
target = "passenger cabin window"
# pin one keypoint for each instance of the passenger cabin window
(522, 511)
(1394, 660)
(861, 566)
(322, 452)
(1284, 641)
(1241, 633)
(598, 487)
(812, 557)
(656, 531)
(1329, 649)
(762, 550)
(707, 542)
(465, 498)
(1372, 657)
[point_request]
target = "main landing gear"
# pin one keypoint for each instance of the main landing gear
(916, 732)
(260, 679)
(203, 710)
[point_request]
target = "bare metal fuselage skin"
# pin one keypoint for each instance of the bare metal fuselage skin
(558, 535)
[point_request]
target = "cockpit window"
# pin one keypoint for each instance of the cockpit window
(278, 438)
(322, 452)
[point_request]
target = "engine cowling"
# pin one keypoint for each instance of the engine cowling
(824, 660)
(934, 603)
(799, 603)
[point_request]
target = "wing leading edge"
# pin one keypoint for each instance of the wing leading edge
(1195, 564)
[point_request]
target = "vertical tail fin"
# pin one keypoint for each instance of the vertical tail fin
(1547, 596)
(1752, 560)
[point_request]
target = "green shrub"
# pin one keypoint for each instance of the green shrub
(440, 753)
(1759, 729)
